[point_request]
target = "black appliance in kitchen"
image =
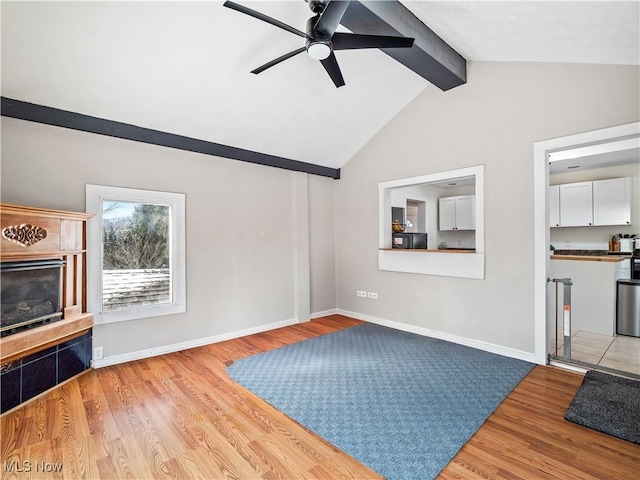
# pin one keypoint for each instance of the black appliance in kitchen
(635, 260)
(635, 265)
(400, 239)
(409, 240)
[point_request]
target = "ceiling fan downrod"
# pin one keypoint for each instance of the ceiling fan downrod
(317, 6)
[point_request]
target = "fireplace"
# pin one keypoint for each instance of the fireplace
(30, 294)
(45, 329)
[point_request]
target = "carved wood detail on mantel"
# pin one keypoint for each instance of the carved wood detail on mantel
(24, 235)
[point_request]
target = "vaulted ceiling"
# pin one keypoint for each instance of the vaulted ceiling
(184, 67)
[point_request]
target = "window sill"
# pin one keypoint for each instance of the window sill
(433, 262)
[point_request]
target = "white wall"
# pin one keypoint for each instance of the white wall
(241, 277)
(244, 260)
(597, 237)
(493, 120)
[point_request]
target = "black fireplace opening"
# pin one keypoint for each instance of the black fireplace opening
(30, 294)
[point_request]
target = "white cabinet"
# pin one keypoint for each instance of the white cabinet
(457, 213)
(554, 206)
(466, 212)
(612, 202)
(601, 202)
(576, 204)
(447, 210)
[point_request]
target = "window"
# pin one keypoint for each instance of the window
(136, 253)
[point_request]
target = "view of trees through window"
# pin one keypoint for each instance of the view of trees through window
(136, 254)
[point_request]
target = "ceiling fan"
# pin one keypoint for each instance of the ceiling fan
(322, 38)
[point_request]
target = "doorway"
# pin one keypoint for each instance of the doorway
(544, 294)
(416, 216)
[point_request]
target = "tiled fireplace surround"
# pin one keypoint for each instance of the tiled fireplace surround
(36, 360)
(28, 377)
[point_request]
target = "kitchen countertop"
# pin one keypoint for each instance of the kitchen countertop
(447, 250)
(590, 255)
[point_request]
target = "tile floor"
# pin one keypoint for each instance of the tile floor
(619, 352)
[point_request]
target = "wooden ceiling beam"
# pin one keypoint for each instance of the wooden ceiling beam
(430, 57)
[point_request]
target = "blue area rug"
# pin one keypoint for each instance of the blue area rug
(401, 403)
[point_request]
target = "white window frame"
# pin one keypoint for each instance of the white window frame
(95, 196)
(461, 265)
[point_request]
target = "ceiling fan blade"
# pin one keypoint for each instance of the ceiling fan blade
(348, 41)
(331, 16)
(330, 64)
(278, 60)
(264, 18)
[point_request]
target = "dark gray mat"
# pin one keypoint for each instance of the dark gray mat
(608, 404)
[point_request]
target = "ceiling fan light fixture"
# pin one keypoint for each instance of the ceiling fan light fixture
(319, 50)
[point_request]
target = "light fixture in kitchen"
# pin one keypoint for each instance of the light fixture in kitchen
(599, 149)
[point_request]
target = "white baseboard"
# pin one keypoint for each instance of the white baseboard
(467, 342)
(325, 313)
(176, 347)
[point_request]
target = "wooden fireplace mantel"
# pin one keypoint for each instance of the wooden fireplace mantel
(31, 233)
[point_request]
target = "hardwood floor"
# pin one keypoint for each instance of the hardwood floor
(180, 416)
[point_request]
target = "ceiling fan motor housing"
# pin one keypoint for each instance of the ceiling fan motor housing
(318, 46)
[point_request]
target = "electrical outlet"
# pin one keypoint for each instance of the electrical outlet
(362, 294)
(98, 353)
(373, 295)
